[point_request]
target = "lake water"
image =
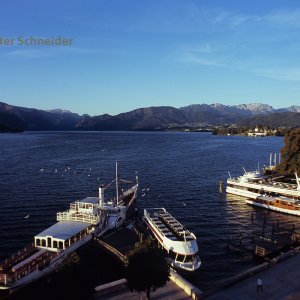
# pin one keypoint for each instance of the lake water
(42, 172)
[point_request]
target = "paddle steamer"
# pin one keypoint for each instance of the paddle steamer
(75, 227)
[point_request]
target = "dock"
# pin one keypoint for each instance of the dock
(280, 281)
(177, 288)
(119, 243)
(169, 292)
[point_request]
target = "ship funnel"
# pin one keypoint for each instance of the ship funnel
(297, 181)
(101, 194)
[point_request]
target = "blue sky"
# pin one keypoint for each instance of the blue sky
(128, 54)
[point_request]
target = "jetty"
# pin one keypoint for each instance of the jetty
(119, 243)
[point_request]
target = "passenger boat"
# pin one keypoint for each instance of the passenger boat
(179, 243)
(76, 226)
(253, 184)
(280, 204)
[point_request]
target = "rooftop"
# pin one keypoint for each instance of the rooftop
(92, 200)
(64, 230)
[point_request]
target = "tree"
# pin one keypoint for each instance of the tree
(290, 153)
(147, 268)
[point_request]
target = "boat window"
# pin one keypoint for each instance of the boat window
(60, 245)
(54, 244)
(43, 243)
(172, 254)
(37, 242)
(180, 257)
(189, 258)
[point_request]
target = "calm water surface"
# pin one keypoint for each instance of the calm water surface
(41, 173)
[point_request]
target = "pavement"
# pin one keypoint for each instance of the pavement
(169, 292)
(280, 282)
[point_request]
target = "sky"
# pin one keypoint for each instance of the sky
(127, 54)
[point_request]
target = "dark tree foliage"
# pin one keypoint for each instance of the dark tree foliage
(290, 153)
(147, 269)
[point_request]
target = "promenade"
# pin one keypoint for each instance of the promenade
(169, 292)
(280, 282)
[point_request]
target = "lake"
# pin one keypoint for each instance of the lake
(42, 172)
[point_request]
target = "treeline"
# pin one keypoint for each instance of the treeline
(280, 131)
(290, 153)
(4, 128)
(230, 130)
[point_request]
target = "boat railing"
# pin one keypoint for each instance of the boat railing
(74, 205)
(39, 263)
(16, 257)
(79, 217)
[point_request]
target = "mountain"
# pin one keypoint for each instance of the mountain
(279, 119)
(293, 108)
(150, 118)
(33, 119)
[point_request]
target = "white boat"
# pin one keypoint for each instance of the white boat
(76, 226)
(253, 184)
(180, 244)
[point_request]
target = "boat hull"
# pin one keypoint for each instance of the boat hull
(243, 189)
(274, 208)
(243, 193)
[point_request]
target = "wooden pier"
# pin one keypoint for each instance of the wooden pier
(120, 242)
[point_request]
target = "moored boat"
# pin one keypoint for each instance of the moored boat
(75, 227)
(279, 204)
(180, 244)
(253, 184)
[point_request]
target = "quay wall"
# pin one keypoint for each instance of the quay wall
(185, 285)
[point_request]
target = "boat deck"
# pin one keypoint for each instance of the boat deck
(20, 265)
(169, 226)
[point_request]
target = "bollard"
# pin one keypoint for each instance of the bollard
(220, 186)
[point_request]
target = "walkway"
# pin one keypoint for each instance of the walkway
(280, 282)
(169, 292)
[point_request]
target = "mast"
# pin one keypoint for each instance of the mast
(117, 183)
(275, 159)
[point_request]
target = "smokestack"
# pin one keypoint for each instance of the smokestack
(101, 194)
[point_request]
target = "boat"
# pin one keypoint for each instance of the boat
(253, 184)
(180, 244)
(86, 218)
(279, 204)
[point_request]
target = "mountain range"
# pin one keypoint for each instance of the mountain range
(150, 118)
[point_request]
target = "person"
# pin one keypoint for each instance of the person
(259, 285)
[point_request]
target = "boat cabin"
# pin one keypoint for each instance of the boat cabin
(62, 235)
(88, 205)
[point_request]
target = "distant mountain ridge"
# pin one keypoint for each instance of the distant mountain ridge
(149, 118)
